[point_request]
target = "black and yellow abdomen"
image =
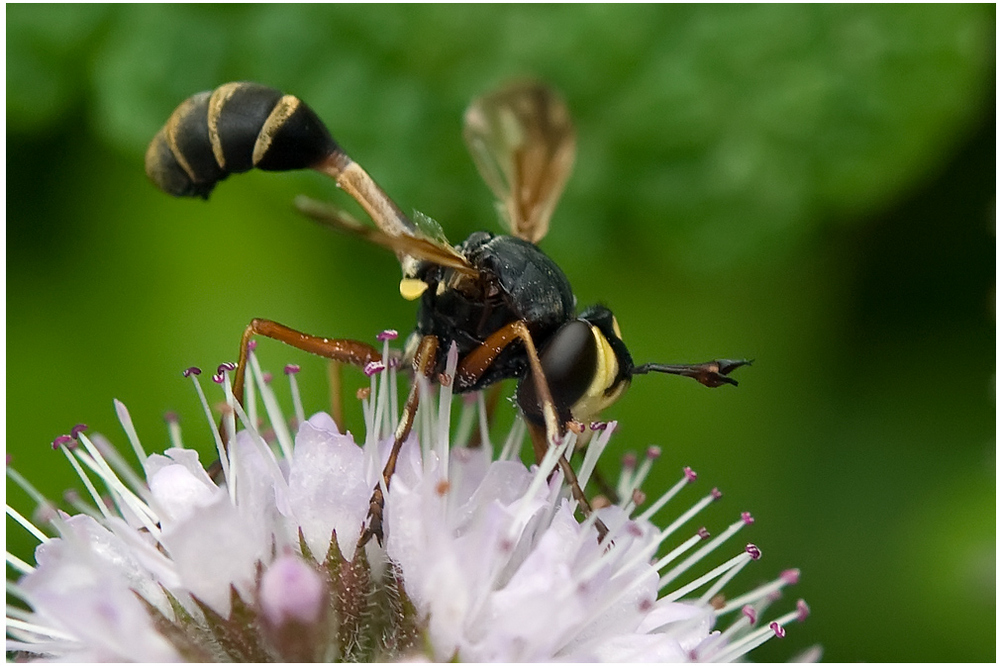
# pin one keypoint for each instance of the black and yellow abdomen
(232, 129)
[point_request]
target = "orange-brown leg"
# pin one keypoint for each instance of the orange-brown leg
(339, 350)
(423, 365)
(342, 350)
(475, 364)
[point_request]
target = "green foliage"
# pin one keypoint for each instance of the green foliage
(811, 186)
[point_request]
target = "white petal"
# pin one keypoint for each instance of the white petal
(84, 585)
(213, 548)
(326, 490)
(177, 491)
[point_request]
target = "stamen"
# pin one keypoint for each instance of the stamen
(28, 526)
(133, 437)
(28, 488)
(758, 594)
(72, 497)
(17, 564)
(759, 637)
(625, 478)
(671, 556)
(273, 410)
(512, 445)
(219, 446)
(484, 426)
(191, 371)
(736, 563)
(98, 501)
(540, 477)
(444, 412)
(670, 493)
(652, 454)
(466, 419)
(747, 618)
(594, 451)
(122, 494)
(37, 628)
(697, 556)
(685, 516)
(270, 461)
(373, 368)
(77, 430)
(387, 335)
(724, 580)
(380, 391)
(173, 429)
(790, 576)
(300, 413)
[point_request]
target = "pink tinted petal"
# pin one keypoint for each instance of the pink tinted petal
(178, 493)
(327, 490)
(213, 549)
(291, 590)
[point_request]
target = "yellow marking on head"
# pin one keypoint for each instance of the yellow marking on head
(411, 288)
(596, 398)
(614, 325)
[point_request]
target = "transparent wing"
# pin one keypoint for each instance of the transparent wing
(419, 247)
(522, 140)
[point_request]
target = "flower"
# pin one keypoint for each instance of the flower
(483, 559)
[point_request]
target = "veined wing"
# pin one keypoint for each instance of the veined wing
(522, 140)
(419, 247)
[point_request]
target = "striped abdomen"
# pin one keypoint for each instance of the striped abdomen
(233, 129)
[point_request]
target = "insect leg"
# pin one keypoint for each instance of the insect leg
(356, 182)
(339, 350)
(342, 350)
(473, 365)
(423, 365)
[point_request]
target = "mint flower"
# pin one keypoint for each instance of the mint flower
(483, 560)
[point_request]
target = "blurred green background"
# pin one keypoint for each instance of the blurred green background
(809, 186)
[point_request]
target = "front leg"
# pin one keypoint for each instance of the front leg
(475, 364)
(423, 366)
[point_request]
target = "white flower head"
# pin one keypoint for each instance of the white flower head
(484, 559)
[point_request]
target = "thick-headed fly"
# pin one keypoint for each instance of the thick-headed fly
(506, 306)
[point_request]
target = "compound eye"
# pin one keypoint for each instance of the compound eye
(570, 363)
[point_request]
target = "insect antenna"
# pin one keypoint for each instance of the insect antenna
(709, 374)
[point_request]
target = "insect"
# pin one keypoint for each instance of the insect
(505, 305)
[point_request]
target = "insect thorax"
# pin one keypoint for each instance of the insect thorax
(517, 282)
